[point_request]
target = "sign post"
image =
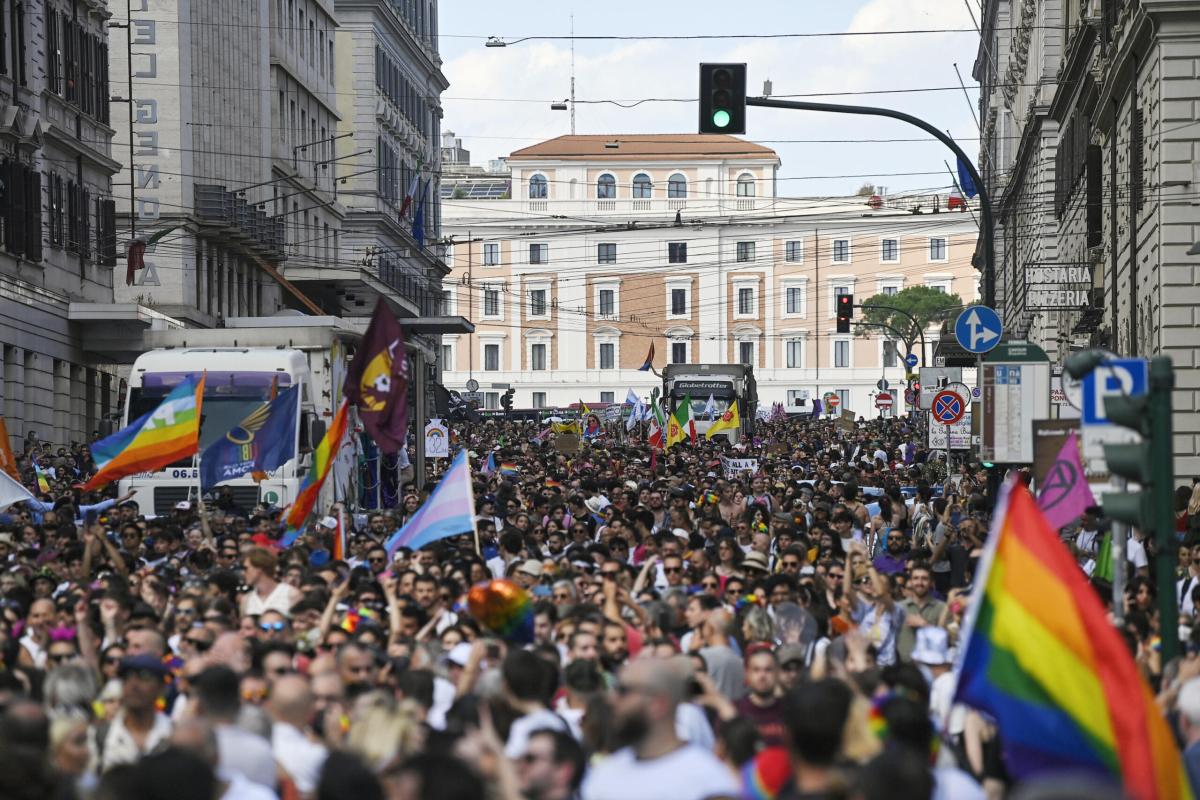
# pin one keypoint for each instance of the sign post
(1016, 393)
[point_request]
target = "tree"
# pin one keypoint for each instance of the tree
(866, 190)
(924, 304)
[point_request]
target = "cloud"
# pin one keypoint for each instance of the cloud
(624, 70)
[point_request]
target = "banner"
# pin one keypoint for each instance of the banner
(734, 467)
(437, 439)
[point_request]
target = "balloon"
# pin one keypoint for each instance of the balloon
(503, 608)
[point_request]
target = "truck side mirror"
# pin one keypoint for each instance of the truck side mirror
(316, 431)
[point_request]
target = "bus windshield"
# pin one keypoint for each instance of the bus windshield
(229, 397)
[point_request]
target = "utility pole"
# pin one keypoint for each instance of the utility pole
(572, 73)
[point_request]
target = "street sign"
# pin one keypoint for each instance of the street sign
(1016, 393)
(832, 400)
(473, 397)
(910, 360)
(957, 435)
(934, 379)
(948, 407)
(883, 401)
(910, 397)
(472, 385)
(882, 384)
(978, 329)
(1117, 376)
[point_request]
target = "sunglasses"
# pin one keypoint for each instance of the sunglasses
(672, 570)
(201, 645)
(791, 565)
(110, 660)
(278, 627)
(377, 560)
(59, 658)
(709, 585)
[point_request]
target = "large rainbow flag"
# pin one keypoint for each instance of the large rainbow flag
(449, 511)
(310, 488)
(1041, 657)
(157, 438)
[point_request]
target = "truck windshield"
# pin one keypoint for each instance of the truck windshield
(229, 397)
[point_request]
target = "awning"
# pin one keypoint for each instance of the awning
(113, 331)
(438, 325)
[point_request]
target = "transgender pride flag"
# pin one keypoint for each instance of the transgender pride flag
(449, 511)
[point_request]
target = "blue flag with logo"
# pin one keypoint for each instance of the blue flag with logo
(965, 180)
(262, 442)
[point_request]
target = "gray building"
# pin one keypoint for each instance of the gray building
(1090, 143)
(58, 245)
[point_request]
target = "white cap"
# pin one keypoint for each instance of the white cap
(682, 533)
(459, 654)
(183, 505)
(328, 522)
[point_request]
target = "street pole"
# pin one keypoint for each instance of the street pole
(1162, 487)
(1120, 550)
(985, 204)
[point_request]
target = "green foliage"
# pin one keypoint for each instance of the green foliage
(924, 304)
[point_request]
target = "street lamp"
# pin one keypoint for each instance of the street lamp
(495, 41)
(559, 106)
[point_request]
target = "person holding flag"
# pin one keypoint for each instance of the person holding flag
(264, 441)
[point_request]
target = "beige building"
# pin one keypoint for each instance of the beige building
(595, 248)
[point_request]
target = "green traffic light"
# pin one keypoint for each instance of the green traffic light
(721, 118)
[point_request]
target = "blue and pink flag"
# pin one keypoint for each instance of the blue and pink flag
(449, 511)
(1065, 493)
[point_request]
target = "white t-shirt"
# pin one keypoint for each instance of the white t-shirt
(518, 734)
(1136, 553)
(689, 773)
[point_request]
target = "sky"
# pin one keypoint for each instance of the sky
(499, 98)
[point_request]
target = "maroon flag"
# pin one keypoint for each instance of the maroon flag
(377, 381)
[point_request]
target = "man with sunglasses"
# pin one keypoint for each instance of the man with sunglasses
(138, 728)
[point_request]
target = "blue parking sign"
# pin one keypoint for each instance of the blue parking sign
(1118, 376)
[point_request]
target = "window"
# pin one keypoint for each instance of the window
(795, 300)
(841, 353)
(890, 291)
(838, 291)
(794, 354)
(606, 188)
(745, 251)
(677, 252)
(746, 353)
(889, 250)
(745, 185)
(537, 302)
(843, 399)
(642, 187)
(608, 352)
(679, 352)
(491, 357)
(491, 254)
(447, 357)
(606, 253)
(679, 304)
(676, 187)
(491, 400)
(539, 254)
(942, 287)
(539, 188)
(797, 397)
(841, 251)
(539, 399)
(607, 397)
(745, 297)
(937, 249)
(890, 356)
(607, 303)
(491, 302)
(793, 251)
(537, 356)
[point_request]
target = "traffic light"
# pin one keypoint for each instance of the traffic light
(1149, 463)
(506, 399)
(722, 98)
(845, 310)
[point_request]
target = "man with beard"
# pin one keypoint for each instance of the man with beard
(763, 704)
(614, 646)
(553, 766)
(654, 763)
(892, 561)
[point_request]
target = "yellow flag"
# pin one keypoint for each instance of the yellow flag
(731, 420)
(674, 431)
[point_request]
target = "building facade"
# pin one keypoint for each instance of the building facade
(58, 246)
(595, 249)
(1096, 170)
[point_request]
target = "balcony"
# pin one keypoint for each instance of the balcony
(218, 207)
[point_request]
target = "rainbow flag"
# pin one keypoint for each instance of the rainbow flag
(42, 481)
(322, 462)
(1041, 657)
(509, 470)
(157, 438)
(449, 511)
(338, 549)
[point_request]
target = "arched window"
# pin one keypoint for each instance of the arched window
(745, 185)
(538, 188)
(677, 186)
(606, 187)
(642, 187)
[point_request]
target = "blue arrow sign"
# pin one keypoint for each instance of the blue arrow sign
(978, 329)
(910, 360)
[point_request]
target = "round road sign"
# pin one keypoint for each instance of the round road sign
(910, 397)
(948, 407)
(883, 401)
(882, 384)
(832, 400)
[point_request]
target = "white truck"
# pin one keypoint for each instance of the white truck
(724, 383)
(243, 361)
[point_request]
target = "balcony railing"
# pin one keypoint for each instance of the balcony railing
(216, 205)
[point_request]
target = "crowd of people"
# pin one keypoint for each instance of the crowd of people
(777, 618)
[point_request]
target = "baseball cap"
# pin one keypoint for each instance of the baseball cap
(532, 567)
(790, 652)
(459, 654)
(139, 663)
(183, 505)
(328, 522)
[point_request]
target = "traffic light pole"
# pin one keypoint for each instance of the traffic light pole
(985, 204)
(1162, 488)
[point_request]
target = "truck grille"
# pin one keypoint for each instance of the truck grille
(165, 497)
